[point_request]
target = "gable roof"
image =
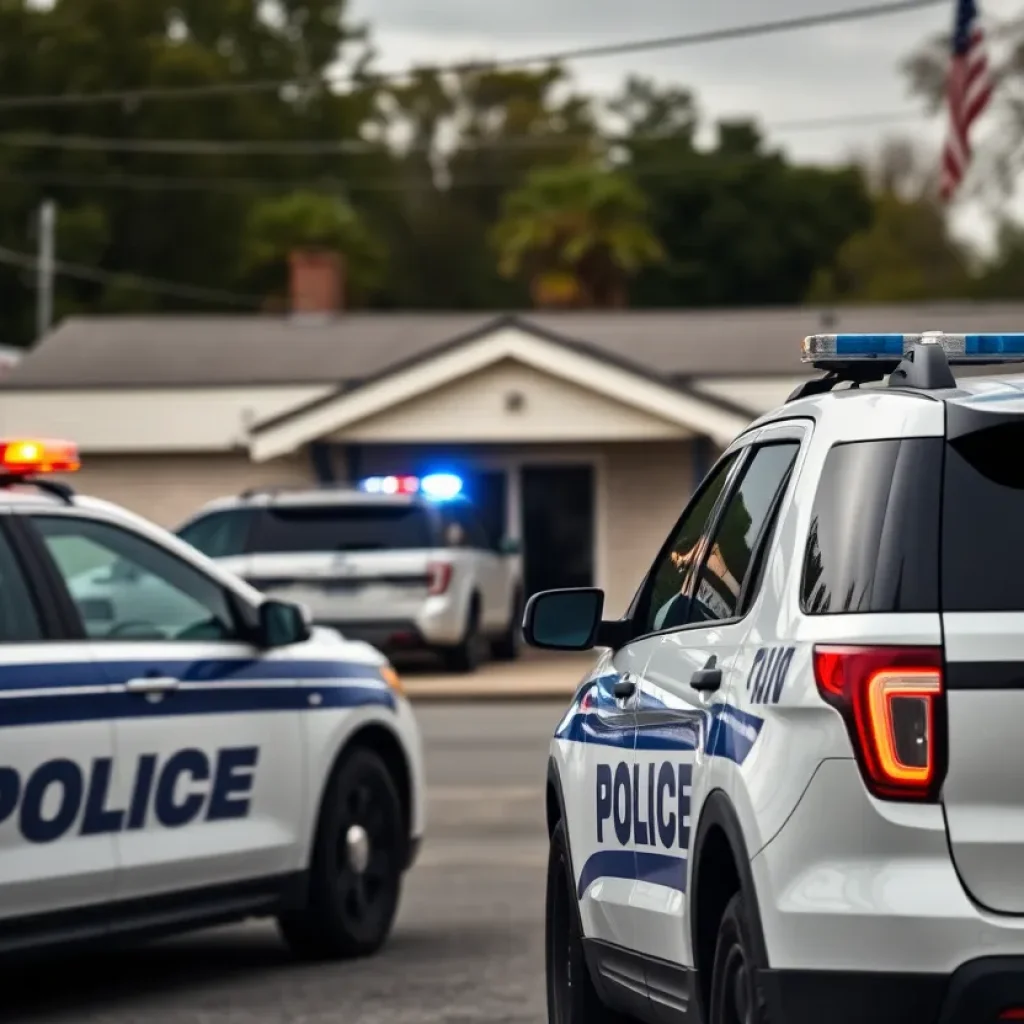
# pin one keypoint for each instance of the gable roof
(574, 363)
(198, 351)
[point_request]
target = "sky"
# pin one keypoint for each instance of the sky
(845, 70)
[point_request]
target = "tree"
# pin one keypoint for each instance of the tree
(179, 217)
(906, 254)
(740, 225)
(276, 227)
(577, 233)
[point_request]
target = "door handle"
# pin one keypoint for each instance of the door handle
(151, 684)
(709, 678)
(624, 687)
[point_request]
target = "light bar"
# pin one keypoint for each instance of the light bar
(390, 485)
(441, 486)
(818, 348)
(33, 457)
(436, 486)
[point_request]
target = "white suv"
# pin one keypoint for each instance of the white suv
(402, 571)
(792, 788)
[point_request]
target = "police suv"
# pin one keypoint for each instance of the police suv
(402, 562)
(203, 757)
(792, 789)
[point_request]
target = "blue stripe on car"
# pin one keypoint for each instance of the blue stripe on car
(336, 685)
(633, 865)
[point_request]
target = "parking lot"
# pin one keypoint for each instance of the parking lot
(468, 945)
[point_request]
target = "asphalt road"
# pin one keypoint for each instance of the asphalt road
(467, 948)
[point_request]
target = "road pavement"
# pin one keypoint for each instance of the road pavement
(467, 948)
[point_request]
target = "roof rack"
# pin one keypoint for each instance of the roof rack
(921, 362)
(65, 492)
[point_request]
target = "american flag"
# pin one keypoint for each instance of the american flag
(968, 90)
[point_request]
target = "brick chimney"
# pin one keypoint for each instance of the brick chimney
(317, 281)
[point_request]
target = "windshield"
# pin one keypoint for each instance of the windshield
(308, 528)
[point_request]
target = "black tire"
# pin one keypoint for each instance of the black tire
(509, 645)
(736, 993)
(572, 998)
(349, 913)
(465, 657)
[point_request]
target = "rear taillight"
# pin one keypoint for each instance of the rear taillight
(893, 703)
(439, 575)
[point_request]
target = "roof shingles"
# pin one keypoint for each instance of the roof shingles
(195, 351)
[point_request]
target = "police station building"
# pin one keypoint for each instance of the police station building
(579, 434)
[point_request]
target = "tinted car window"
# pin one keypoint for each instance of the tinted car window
(358, 527)
(729, 560)
(127, 588)
(19, 620)
(219, 534)
(664, 604)
(982, 515)
(873, 542)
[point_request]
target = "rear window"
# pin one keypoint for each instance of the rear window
(341, 528)
(982, 519)
(219, 534)
(873, 543)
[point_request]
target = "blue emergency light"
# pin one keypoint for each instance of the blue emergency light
(435, 486)
(959, 348)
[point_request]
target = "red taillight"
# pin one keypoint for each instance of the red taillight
(892, 701)
(1014, 1013)
(440, 574)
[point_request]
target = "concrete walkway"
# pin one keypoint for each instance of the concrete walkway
(535, 676)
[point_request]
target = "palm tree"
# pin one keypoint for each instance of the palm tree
(576, 232)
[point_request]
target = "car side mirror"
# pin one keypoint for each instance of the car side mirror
(509, 546)
(282, 623)
(564, 620)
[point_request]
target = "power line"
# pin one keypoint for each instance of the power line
(149, 284)
(746, 31)
(314, 147)
(329, 185)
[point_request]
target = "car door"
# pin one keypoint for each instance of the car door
(56, 751)
(207, 785)
(688, 719)
(607, 792)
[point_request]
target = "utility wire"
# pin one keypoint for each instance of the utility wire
(149, 284)
(329, 185)
(746, 31)
(312, 147)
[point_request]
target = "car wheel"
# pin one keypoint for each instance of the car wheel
(736, 993)
(466, 656)
(509, 644)
(358, 858)
(572, 998)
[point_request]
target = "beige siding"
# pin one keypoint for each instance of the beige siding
(476, 409)
(646, 488)
(169, 488)
(642, 489)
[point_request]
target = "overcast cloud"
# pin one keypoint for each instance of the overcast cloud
(841, 71)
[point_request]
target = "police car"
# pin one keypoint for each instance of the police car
(402, 562)
(792, 788)
(203, 757)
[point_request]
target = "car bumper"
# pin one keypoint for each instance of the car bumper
(982, 991)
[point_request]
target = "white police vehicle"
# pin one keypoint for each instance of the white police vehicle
(792, 789)
(402, 562)
(206, 757)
